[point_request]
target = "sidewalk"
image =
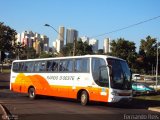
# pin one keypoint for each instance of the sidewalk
(156, 109)
(4, 80)
(2, 111)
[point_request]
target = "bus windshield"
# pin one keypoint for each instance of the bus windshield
(121, 75)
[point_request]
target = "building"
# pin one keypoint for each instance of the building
(18, 36)
(61, 33)
(59, 43)
(85, 39)
(39, 42)
(106, 45)
(45, 43)
(54, 46)
(94, 43)
(71, 35)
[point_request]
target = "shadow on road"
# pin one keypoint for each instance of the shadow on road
(134, 104)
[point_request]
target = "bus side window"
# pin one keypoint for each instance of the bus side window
(28, 66)
(24, 67)
(66, 65)
(55, 66)
(81, 65)
(21, 64)
(36, 66)
(69, 65)
(15, 67)
(49, 65)
(85, 65)
(43, 66)
(62, 65)
(77, 67)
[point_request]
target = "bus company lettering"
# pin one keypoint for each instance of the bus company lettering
(60, 77)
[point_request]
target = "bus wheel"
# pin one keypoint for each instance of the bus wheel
(84, 98)
(31, 93)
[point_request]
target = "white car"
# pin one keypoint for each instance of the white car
(136, 77)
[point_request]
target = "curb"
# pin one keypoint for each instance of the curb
(156, 109)
(6, 114)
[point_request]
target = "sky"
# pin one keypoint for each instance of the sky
(89, 17)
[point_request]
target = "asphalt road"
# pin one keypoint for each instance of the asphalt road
(51, 108)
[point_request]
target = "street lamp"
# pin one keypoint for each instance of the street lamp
(61, 42)
(47, 25)
(157, 66)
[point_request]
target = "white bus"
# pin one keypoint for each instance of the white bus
(85, 78)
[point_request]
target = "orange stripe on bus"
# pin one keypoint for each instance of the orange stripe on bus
(22, 83)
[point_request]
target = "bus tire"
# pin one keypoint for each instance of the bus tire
(32, 93)
(84, 98)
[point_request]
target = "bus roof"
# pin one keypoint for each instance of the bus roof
(67, 57)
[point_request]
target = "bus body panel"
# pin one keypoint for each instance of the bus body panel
(57, 87)
(65, 84)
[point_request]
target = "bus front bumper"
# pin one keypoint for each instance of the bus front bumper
(121, 99)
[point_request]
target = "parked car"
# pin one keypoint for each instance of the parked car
(141, 88)
(149, 78)
(136, 77)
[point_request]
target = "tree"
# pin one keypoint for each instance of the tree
(2, 56)
(30, 52)
(67, 50)
(7, 38)
(81, 49)
(124, 49)
(18, 50)
(27, 53)
(100, 51)
(46, 55)
(147, 52)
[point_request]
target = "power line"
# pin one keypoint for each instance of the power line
(126, 27)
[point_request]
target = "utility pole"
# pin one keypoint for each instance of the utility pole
(1, 61)
(0, 56)
(74, 46)
(157, 67)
